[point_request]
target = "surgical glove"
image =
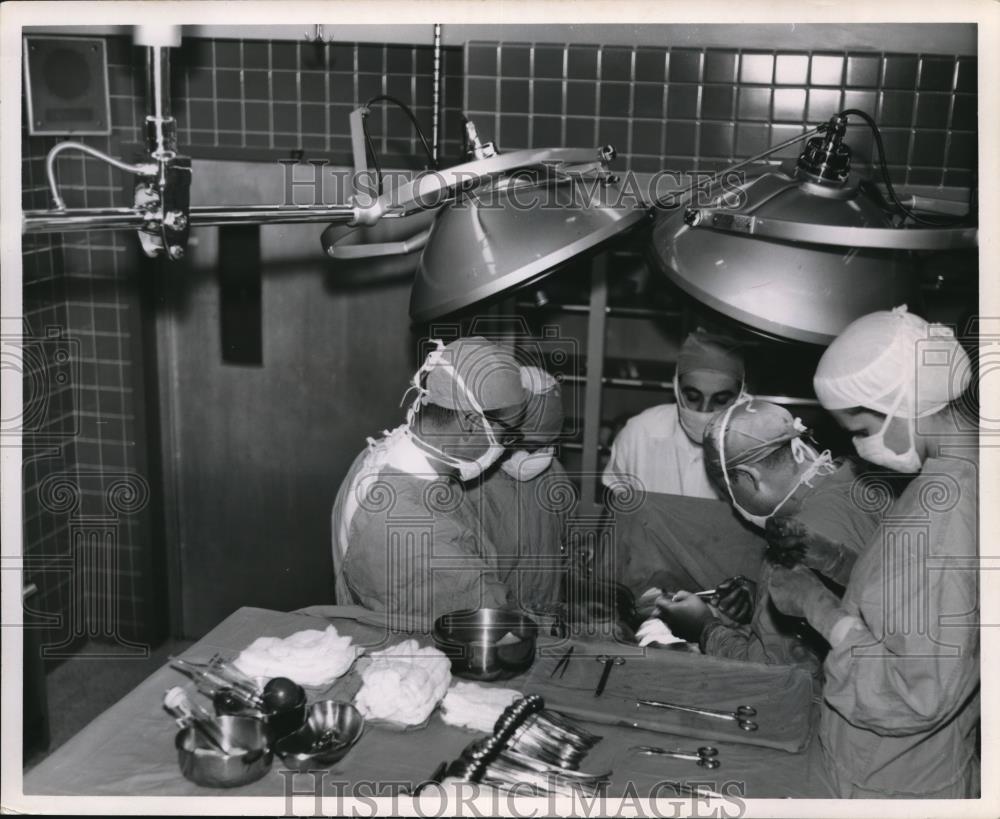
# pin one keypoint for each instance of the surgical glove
(736, 597)
(793, 542)
(687, 616)
(798, 592)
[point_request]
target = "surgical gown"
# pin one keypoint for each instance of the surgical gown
(831, 509)
(415, 548)
(526, 523)
(901, 700)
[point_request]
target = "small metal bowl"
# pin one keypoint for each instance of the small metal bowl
(340, 720)
(206, 765)
(276, 723)
(478, 643)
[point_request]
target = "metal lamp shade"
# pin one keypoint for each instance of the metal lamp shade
(804, 292)
(511, 234)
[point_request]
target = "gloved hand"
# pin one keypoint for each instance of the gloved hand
(736, 598)
(798, 592)
(793, 542)
(687, 616)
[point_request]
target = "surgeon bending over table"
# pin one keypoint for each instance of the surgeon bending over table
(901, 700)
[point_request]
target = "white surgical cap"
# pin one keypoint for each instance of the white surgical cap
(883, 353)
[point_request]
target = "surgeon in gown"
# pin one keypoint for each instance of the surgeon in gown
(900, 708)
(765, 463)
(526, 500)
(659, 450)
(408, 537)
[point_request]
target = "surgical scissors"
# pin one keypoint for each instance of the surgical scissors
(741, 716)
(705, 756)
(609, 663)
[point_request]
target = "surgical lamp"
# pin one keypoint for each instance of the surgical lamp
(798, 253)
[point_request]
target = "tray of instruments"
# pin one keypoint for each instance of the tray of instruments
(725, 700)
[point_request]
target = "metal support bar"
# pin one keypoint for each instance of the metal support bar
(436, 111)
(596, 325)
(70, 221)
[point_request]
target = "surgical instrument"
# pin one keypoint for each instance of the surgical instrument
(563, 663)
(705, 756)
(741, 716)
(609, 663)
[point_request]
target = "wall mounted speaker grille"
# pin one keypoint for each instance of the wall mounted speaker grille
(66, 82)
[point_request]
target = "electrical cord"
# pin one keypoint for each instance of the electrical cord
(883, 166)
(370, 145)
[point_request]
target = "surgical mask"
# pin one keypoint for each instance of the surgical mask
(822, 464)
(524, 466)
(467, 469)
(692, 421)
(874, 450)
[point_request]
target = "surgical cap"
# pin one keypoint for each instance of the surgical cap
(883, 353)
(703, 351)
(543, 417)
(754, 429)
(488, 371)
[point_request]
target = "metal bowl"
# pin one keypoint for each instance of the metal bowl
(276, 723)
(486, 644)
(338, 725)
(206, 765)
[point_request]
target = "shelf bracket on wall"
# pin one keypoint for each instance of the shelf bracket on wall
(596, 324)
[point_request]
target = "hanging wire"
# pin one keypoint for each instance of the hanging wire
(893, 198)
(370, 145)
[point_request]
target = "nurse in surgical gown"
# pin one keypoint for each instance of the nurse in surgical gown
(900, 707)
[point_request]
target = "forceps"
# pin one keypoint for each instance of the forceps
(563, 663)
(609, 663)
(705, 756)
(741, 716)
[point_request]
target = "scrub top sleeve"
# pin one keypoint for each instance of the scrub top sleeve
(454, 575)
(832, 513)
(925, 664)
(735, 643)
(623, 452)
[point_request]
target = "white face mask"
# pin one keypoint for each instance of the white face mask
(822, 464)
(467, 469)
(524, 466)
(874, 450)
(692, 421)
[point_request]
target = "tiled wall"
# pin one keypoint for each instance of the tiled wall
(48, 412)
(81, 305)
(683, 109)
(288, 96)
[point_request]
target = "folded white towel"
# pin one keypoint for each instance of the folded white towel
(654, 630)
(310, 657)
(478, 707)
(404, 683)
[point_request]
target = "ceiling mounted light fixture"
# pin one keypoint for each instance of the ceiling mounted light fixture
(516, 227)
(800, 254)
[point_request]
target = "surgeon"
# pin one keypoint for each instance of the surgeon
(526, 501)
(659, 450)
(764, 462)
(407, 536)
(901, 698)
